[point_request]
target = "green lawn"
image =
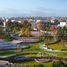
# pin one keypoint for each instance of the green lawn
(48, 64)
(32, 63)
(8, 52)
(59, 54)
(34, 48)
(57, 46)
(30, 55)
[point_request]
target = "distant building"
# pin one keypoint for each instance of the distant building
(36, 33)
(19, 21)
(40, 25)
(52, 21)
(33, 24)
(62, 24)
(12, 20)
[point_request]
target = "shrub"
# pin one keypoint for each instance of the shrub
(8, 38)
(56, 64)
(40, 65)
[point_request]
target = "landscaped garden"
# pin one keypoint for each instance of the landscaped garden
(57, 46)
(34, 50)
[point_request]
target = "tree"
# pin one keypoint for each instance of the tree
(13, 26)
(40, 25)
(40, 65)
(8, 38)
(26, 28)
(47, 26)
(56, 64)
(25, 32)
(62, 34)
(26, 24)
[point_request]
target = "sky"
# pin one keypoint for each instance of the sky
(33, 8)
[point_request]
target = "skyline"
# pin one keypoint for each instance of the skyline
(10, 8)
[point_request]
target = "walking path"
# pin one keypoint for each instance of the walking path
(44, 47)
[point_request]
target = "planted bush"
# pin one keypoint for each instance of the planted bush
(8, 38)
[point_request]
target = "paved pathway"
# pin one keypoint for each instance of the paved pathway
(44, 47)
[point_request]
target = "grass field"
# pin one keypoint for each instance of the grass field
(32, 63)
(57, 46)
(35, 48)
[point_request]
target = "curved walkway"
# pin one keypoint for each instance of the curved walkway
(44, 47)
